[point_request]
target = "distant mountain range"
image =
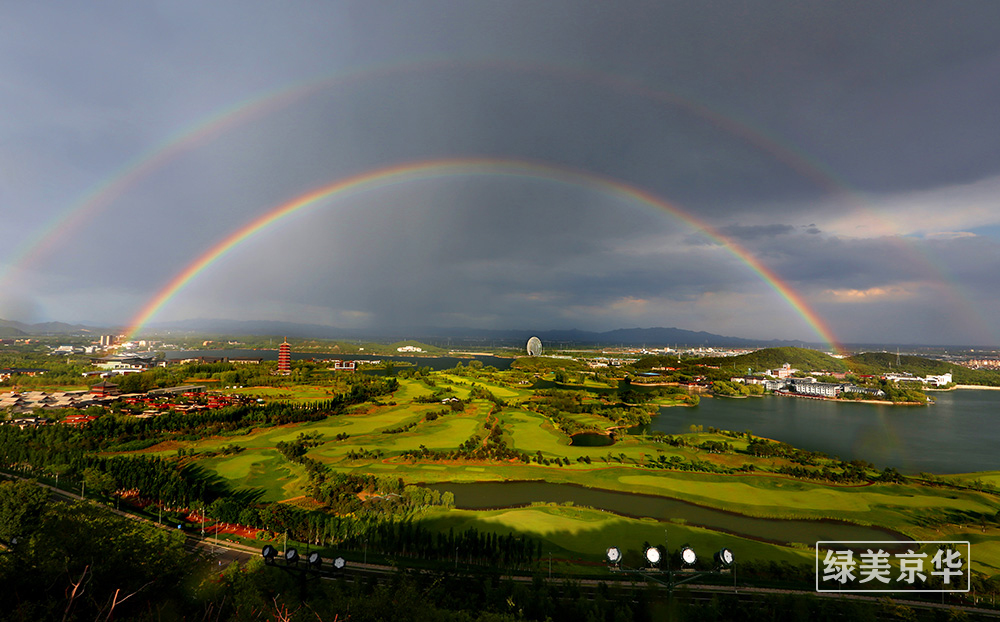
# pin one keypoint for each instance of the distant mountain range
(443, 337)
(472, 336)
(457, 337)
(12, 328)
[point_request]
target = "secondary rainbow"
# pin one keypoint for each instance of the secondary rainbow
(429, 169)
(33, 247)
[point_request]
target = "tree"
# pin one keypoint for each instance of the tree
(98, 481)
(84, 562)
(21, 503)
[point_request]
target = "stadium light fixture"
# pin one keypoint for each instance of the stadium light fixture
(688, 556)
(269, 553)
(614, 555)
(653, 556)
(339, 563)
(315, 561)
(724, 558)
(291, 557)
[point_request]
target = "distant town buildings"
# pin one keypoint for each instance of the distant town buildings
(409, 349)
(123, 362)
(982, 363)
(783, 380)
(7, 372)
(339, 365)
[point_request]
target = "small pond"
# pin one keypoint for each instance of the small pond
(591, 439)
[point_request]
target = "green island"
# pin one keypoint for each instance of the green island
(385, 467)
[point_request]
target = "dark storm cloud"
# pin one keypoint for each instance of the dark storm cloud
(740, 232)
(805, 132)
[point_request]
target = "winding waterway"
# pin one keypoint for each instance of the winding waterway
(492, 495)
(959, 433)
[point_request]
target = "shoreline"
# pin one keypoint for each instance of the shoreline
(976, 386)
(833, 399)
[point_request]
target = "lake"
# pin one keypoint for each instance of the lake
(959, 433)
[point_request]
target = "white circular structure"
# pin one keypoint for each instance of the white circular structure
(614, 555)
(688, 556)
(725, 557)
(653, 555)
(534, 346)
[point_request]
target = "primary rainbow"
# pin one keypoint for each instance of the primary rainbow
(429, 169)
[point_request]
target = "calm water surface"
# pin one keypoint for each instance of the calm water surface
(958, 434)
(489, 495)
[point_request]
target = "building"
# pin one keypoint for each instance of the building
(810, 387)
(804, 386)
(137, 361)
(785, 371)
(104, 389)
(285, 358)
(344, 365)
(938, 381)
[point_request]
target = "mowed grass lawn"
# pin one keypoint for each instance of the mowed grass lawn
(573, 533)
(265, 471)
(583, 534)
(613, 468)
(463, 385)
(781, 492)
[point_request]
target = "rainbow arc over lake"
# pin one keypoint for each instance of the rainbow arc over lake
(431, 169)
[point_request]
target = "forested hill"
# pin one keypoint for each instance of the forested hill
(772, 358)
(807, 360)
(10, 331)
(884, 362)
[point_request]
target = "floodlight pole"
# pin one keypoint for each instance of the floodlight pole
(671, 583)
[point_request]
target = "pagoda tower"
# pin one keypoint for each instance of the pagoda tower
(285, 358)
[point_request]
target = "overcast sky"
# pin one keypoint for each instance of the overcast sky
(850, 148)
